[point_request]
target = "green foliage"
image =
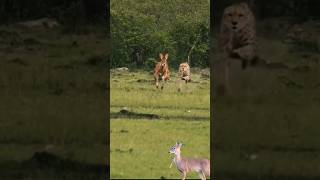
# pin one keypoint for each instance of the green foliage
(160, 26)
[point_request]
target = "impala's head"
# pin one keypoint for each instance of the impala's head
(163, 59)
(175, 149)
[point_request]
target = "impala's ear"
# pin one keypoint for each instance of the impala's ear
(166, 56)
(161, 56)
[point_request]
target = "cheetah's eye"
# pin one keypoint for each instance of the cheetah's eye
(229, 14)
(240, 15)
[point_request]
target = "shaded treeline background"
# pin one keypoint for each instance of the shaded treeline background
(72, 13)
(140, 30)
(300, 9)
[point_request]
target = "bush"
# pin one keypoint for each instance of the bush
(174, 30)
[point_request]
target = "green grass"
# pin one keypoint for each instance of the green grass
(51, 97)
(139, 146)
(269, 128)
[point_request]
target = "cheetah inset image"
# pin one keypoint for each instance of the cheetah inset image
(238, 34)
(237, 41)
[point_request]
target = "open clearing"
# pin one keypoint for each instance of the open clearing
(140, 140)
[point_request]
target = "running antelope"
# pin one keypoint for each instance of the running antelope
(184, 74)
(185, 165)
(161, 71)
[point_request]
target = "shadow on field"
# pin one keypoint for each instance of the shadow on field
(127, 114)
(42, 164)
(133, 115)
(160, 107)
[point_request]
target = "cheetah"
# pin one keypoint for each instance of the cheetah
(237, 37)
(238, 34)
(184, 74)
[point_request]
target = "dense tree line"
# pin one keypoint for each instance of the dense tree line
(80, 11)
(141, 29)
(300, 9)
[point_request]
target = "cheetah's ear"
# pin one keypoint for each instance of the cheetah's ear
(244, 5)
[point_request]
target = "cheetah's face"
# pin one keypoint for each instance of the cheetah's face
(183, 68)
(236, 17)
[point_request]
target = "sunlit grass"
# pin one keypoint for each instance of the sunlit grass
(139, 147)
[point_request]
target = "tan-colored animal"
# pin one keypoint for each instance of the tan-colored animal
(237, 36)
(184, 74)
(185, 165)
(161, 71)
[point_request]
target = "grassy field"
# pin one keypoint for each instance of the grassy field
(269, 128)
(53, 99)
(140, 140)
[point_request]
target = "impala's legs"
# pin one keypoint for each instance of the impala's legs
(180, 84)
(162, 81)
(157, 80)
(184, 175)
(202, 175)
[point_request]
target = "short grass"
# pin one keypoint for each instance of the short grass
(140, 145)
(53, 98)
(269, 128)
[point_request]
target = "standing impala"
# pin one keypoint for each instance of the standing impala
(161, 71)
(185, 165)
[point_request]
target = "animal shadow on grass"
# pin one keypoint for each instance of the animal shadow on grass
(133, 115)
(128, 114)
(44, 164)
(144, 81)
